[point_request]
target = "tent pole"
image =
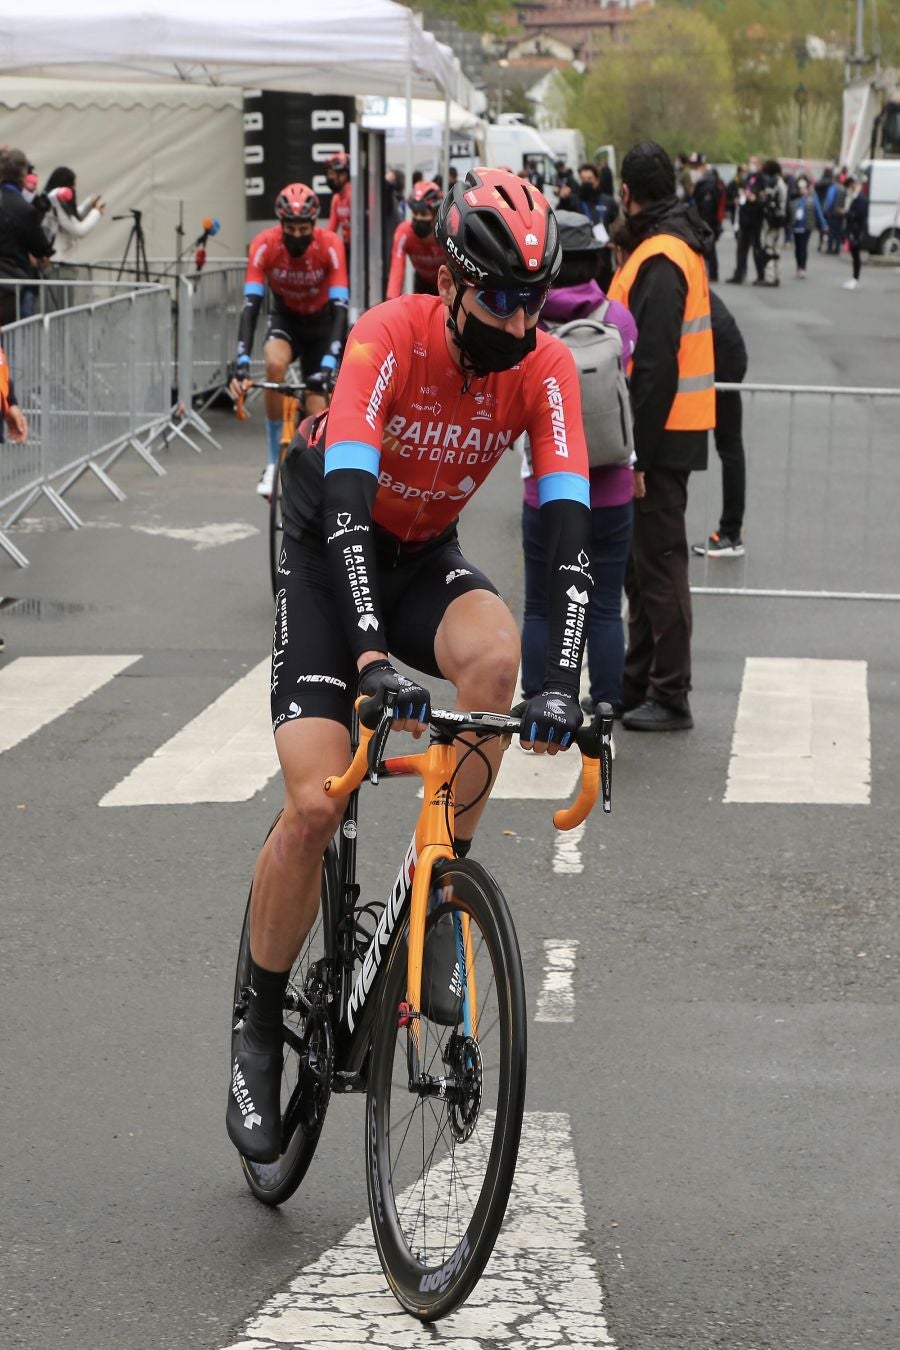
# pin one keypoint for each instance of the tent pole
(446, 148)
(409, 144)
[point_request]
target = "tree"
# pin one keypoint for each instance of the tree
(671, 83)
(484, 16)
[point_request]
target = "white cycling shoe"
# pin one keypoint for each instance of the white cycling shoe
(266, 485)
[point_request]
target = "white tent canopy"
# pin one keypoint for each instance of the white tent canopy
(311, 46)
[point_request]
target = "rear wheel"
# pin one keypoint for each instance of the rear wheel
(306, 1075)
(440, 1159)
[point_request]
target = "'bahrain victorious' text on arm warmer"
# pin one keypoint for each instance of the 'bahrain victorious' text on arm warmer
(247, 324)
(350, 548)
(570, 584)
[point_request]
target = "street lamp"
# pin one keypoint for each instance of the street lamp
(503, 65)
(800, 98)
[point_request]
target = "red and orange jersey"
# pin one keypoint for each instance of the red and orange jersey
(304, 284)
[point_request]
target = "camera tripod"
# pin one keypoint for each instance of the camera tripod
(136, 237)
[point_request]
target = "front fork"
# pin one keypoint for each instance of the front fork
(409, 1012)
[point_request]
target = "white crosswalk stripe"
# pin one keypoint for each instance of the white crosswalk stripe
(556, 1000)
(34, 690)
(540, 1288)
(802, 733)
(226, 754)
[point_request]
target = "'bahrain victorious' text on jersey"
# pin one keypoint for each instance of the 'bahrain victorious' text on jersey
(301, 284)
(400, 393)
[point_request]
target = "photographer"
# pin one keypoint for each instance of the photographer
(66, 221)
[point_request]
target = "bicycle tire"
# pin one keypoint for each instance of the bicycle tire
(276, 530)
(431, 1284)
(272, 1183)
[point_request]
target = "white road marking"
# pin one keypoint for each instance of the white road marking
(225, 754)
(556, 1001)
(801, 734)
(204, 536)
(567, 850)
(36, 689)
(540, 1290)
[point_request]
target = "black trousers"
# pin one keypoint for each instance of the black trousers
(658, 659)
(748, 240)
(729, 440)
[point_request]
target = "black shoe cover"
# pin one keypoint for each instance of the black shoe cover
(253, 1118)
(442, 991)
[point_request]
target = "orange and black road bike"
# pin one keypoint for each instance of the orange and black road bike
(293, 411)
(420, 1004)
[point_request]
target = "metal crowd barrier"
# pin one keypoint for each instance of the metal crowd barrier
(94, 381)
(823, 482)
(63, 289)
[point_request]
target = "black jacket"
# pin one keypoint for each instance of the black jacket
(657, 301)
(21, 233)
(729, 352)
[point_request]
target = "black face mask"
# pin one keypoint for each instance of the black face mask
(296, 247)
(486, 350)
(423, 228)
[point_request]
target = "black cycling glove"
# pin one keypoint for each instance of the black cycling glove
(553, 715)
(320, 382)
(413, 701)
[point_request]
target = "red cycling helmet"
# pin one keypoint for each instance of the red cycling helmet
(499, 231)
(297, 202)
(426, 193)
(339, 162)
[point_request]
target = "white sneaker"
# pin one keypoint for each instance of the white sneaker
(266, 485)
(852, 285)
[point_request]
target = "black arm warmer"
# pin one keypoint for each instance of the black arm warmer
(247, 326)
(338, 327)
(350, 549)
(570, 583)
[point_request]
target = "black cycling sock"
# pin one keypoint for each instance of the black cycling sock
(266, 1011)
(461, 847)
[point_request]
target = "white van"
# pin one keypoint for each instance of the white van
(884, 204)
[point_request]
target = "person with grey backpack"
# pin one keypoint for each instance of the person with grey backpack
(601, 335)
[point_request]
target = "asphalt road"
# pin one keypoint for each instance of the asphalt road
(731, 1074)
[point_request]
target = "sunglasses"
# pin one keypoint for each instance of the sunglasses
(503, 304)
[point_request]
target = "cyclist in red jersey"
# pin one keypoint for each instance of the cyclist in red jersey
(414, 239)
(305, 269)
(337, 171)
(432, 392)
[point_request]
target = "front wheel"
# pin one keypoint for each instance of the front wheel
(441, 1154)
(306, 1075)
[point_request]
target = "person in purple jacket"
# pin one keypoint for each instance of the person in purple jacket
(577, 295)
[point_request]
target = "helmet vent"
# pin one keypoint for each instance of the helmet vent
(502, 192)
(528, 197)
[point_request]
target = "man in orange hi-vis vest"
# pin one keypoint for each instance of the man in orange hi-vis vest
(664, 283)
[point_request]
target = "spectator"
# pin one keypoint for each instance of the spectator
(730, 356)
(601, 210)
(823, 183)
(774, 210)
(665, 285)
(804, 214)
(732, 194)
(605, 178)
(576, 295)
(564, 185)
(750, 221)
(709, 199)
(834, 214)
(66, 221)
(23, 244)
(856, 226)
(684, 182)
